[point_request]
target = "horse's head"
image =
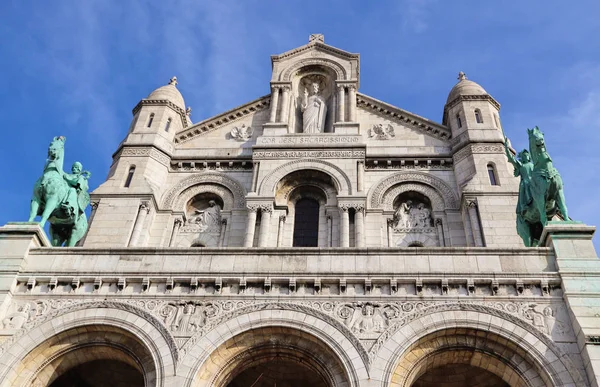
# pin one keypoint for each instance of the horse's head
(56, 148)
(536, 136)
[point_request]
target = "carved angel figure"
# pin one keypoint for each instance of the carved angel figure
(367, 319)
(379, 132)
(242, 133)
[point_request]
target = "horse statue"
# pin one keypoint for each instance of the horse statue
(61, 198)
(541, 195)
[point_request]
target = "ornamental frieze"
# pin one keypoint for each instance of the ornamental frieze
(361, 322)
(319, 154)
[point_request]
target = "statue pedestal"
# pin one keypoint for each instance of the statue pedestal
(346, 128)
(579, 269)
(275, 129)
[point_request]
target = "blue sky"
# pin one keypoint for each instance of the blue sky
(77, 68)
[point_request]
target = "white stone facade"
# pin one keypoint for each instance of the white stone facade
(191, 273)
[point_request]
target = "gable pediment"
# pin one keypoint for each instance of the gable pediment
(403, 117)
(218, 121)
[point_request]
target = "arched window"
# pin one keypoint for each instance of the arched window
(478, 116)
(458, 121)
(129, 176)
(150, 119)
(306, 223)
(492, 173)
(168, 125)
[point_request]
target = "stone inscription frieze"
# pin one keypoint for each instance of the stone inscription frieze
(320, 154)
(308, 140)
(361, 322)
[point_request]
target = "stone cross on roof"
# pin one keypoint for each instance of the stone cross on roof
(462, 76)
(173, 81)
(316, 38)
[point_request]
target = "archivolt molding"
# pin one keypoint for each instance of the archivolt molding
(219, 190)
(437, 201)
(339, 69)
(238, 191)
(341, 180)
(378, 195)
(250, 307)
(515, 313)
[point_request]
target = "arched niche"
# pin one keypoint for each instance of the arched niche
(204, 216)
(383, 194)
(302, 80)
(230, 190)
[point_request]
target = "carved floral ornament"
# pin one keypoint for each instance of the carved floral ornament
(355, 320)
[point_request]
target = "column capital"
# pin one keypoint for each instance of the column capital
(351, 87)
(285, 88)
(253, 207)
(94, 205)
(282, 218)
(275, 88)
(178, 222)
(340, 87)
(471, 203)
(438, 222)
(145, 206)
(266, 208)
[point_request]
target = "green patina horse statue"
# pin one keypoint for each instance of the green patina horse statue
(61, 198)
(541, 195)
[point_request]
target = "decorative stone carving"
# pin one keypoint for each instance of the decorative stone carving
(208, 219)
(412, 215)
(239, 193)
(241, 133)
(363, 319)
(314, 110)
(379, 132)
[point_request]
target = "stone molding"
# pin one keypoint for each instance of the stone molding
(319, 45)
(403, 117)
(188, 194)
(216, 122)
(348, 317)
(470, 149)
(342, 182)
(237, 190)
(340, 71)
(314, 154)
(378, 191)
(152, 152)
(437, 201)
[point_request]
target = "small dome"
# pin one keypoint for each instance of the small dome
(465, 87)
(170, 93)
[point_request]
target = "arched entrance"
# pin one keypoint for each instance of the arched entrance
(271, 356)
(90, 356)
(467, 357)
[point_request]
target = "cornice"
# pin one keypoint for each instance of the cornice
(313, 45)
(406, 118)
(461, 98)
(216, 122)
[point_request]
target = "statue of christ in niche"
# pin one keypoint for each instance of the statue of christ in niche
(314, 111)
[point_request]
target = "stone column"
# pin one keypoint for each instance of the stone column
(360, 176)
(255, 166)
(280, 231)
(329, 231)
(250, 226)
(390, 234)
(359, 226)
(352, 103)
(474, 218)
(344, 226)
(223, 231)
(139, 223)
(285, 107)
(265, 225)
(440, 232)
(274, 102)
(341, 102)
(175, 232)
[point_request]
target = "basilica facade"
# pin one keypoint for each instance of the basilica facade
(315, 236)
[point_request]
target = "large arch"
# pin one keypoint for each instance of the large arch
(342, 346)
(340, 179)
(63, 332)
(339, 70)
(410, 342)
(380, 194)
(213, 178)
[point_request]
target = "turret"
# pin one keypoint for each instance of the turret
(470, 108)
(140, 169)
